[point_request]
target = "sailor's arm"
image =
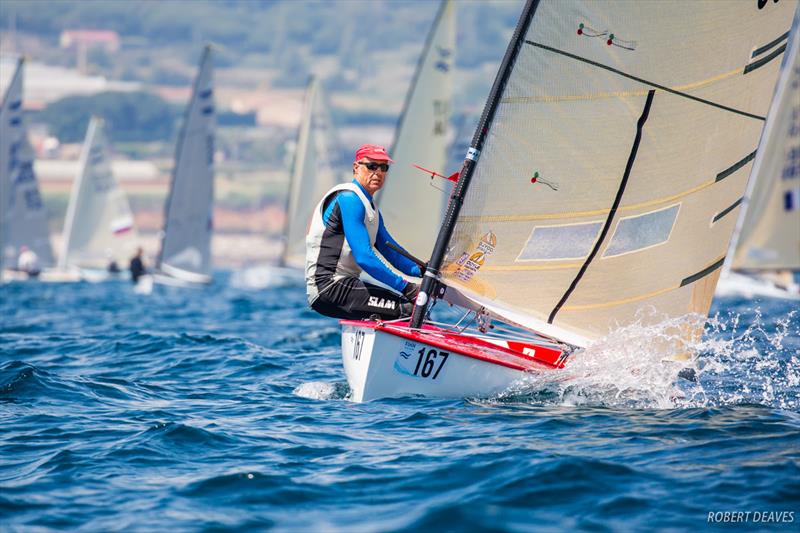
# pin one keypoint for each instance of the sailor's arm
(358, 238)
(399, 261)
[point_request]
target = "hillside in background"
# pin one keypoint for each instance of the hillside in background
(136, 67)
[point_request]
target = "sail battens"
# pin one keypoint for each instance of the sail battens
(616, 303)
(764, 60)
(703, 273)
(618, 94)
(647, 82)
(761, 49)
(727, 210)
(617, 199)
(569, 113)
(593, 213)
(736, 166)
(520, 268)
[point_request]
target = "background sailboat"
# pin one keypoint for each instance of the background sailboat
(315, 170)
(410, 202)
(185, 256)
(765, 252)
(616, 139)
(99, 224)
(22, 213)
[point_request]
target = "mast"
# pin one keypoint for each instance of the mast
(429, 280)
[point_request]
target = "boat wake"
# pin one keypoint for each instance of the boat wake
(736, 361)
(320, 390)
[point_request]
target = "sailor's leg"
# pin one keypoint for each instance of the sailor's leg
(351, 298)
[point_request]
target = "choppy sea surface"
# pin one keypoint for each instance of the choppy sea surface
(226, 408)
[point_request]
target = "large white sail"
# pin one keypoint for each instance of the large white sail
(188, 222)
(410, 204)
(313, 173)
(769, 237)
(22, 214)
(99, 224)
(612, 161)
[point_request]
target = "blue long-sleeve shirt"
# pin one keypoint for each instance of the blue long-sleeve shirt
(352, 213)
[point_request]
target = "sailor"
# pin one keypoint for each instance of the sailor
(137, 266)
(346, 230)
(28, 262)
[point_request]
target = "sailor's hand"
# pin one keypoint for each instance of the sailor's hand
(411, 291)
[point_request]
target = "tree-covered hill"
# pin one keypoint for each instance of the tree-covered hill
(270, 28)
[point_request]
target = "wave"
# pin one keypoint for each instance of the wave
(733, 362)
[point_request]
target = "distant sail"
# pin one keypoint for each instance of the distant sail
(314, 172)
(186, 243)
(769, 237)
(99, 223)
(410, 203)
(621, 141)
(22, 213)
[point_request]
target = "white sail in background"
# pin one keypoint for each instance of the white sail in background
(186, 243)
(410, 205)
(609, 177)
(22, 214)
(769, 237)
(99, 223)
(314, 172)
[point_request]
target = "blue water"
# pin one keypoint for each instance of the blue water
(225, 408)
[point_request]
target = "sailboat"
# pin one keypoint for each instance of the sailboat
(422, 139)
(616, 137)
(313, 173)
(765, 250)
(23, 216)
(98, 228)
(185, 256)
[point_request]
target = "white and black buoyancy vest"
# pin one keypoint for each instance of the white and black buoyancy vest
(320, 237)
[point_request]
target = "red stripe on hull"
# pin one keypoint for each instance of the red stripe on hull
(519, 355)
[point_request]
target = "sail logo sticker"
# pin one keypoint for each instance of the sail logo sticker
(469, 264)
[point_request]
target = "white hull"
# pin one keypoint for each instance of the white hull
(46, 276)
(170, 281)
(735, 284)
(381, 364)
(97, 275)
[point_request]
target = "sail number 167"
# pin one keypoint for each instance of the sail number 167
(427, 361)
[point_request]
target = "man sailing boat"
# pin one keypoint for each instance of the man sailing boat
(346, 230)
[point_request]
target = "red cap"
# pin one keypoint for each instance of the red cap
(373, 151)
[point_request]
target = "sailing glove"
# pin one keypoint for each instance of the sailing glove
(411, 291)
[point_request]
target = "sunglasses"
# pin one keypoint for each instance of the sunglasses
(372, 167)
